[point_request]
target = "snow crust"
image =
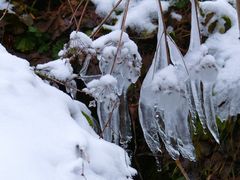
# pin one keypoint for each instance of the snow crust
(44, 135)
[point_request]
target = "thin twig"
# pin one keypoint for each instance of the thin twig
(75, 20)
(179, 165)
(104, 20)
(109, 119)
(5, 11)
(56, 81)
(82, 14)
(74, 14)
(238, 12)
(121, 35)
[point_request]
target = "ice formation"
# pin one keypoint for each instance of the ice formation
(203, 73)
(78, 53)
(125, 66)
(225, 49)
(204, 83)
(166, 115)
(104, 91)
(45, 136)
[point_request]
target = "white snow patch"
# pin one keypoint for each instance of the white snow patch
(43, 134)
(176, 16)
(140, 15)
(60, 69)
(6, 5)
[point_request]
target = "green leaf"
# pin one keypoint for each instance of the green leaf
(90, 121)
(32, 29)
(25, 44)
(228, 23)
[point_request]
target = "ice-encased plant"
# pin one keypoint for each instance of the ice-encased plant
(178, 90)
(163, 106)
(74, 60)
(203, 72)
(79, 50)
(104, 90)
(123, 62)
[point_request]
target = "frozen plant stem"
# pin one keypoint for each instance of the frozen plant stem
(121, 35)
(74, 17)
(104, 20)
(164, 31)
(238, 13)
(81, 18)
(55, 80)
(109, 119)
(179, 165)
(74, 14)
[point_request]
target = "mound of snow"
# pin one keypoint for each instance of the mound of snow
(44, 135)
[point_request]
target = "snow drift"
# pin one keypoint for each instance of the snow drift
(44, 135)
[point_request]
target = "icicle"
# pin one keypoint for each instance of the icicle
(195, 40)
(209, 111)
(147, 116)
(125, 120)
(208, 73)
(193, 56)
(104, 121)
(197, 96)
(104, 90)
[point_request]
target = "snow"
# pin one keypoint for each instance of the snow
(79, 39)
(59, 69)
(220, 9)
(6, 5)
(126, 65)
(99, 88)
(44, 135)
(176, 16)
(104, 8)
(137, 21)
(144, 20)
(226, 92)
(165, 78)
